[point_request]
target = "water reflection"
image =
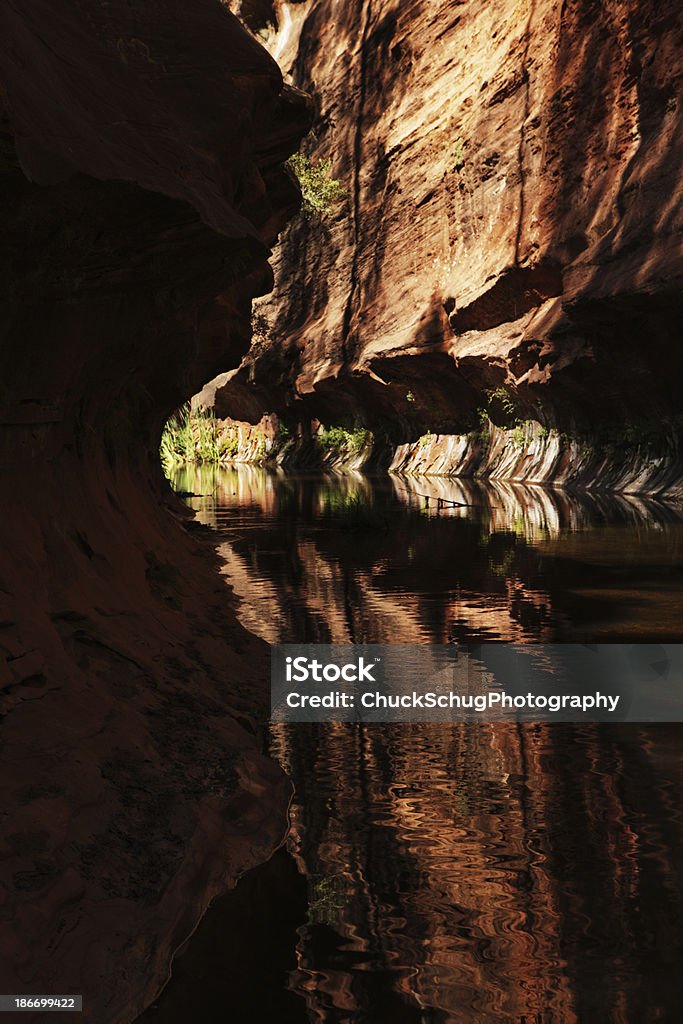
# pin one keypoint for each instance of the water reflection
(468, 873)
(350, 559)
(487, 873)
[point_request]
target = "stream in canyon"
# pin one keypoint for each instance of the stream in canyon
(449, 873)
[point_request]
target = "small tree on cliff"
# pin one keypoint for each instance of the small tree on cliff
(318, 188)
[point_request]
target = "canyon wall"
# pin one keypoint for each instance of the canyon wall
(510, 239)
(143, 185)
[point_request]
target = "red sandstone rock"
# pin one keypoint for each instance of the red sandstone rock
(137, 222)
(513, 178)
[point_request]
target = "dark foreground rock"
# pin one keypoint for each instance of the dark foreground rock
(142, 186)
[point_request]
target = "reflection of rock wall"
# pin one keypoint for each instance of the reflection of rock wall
(512, 220)
(488, 884)
(142, 186)
(434, 559)
(493, 872)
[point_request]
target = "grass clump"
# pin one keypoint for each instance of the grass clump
(518, 434)
(319, 190)
(194, 435)
(340, 441)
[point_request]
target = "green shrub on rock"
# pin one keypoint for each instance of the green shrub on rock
(320, 191)
(341, 441)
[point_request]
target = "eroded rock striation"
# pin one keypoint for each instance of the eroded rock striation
(512, 224)
(142, 187)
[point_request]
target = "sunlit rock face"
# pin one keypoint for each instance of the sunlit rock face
(512, 219)
(143, 184)
(532, 453)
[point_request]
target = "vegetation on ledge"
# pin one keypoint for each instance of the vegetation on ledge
(339, 441)
(319, 190)
(196, 436)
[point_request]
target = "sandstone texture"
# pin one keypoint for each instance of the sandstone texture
(512, 222)
(142, 187)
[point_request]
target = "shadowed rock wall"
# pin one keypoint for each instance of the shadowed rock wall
(142, 186)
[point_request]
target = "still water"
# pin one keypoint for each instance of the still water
(450, 873)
